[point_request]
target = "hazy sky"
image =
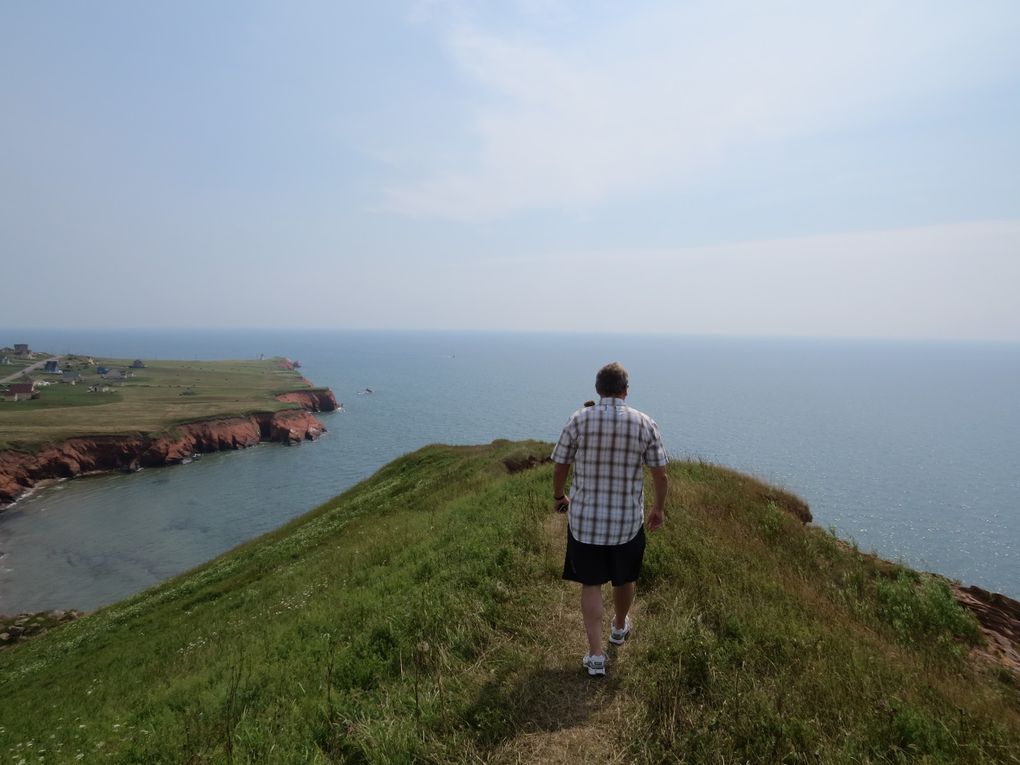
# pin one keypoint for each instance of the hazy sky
(793, 168)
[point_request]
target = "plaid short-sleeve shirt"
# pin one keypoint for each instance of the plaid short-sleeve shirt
(609, 444)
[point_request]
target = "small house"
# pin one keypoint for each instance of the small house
(138, 364)
(5, 360)
(115, 374)
(71, 377)
(102, 370)
(52, 367)
(21, 392)
(22, 350)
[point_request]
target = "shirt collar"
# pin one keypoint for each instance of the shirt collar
(611, 401)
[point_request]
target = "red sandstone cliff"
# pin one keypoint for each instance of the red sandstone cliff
(316, 400)
(20, 471)
(999, 617)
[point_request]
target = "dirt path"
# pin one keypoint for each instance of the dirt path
(572, 718)
(29, 368)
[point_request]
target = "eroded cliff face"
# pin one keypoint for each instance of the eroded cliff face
(999, 617)
(20, 471)
(321, 400)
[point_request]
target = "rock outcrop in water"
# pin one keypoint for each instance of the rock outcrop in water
(20, 471)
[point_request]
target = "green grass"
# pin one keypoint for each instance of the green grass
(163, 394)
(59, 396)
(772, 644)
(419, 617)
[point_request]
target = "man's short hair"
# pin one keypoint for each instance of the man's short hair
(611, 381)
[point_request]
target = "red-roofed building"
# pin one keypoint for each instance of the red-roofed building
(20, 392)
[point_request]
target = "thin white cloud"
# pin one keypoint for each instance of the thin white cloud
(661, 98)
(936, 282)
(941, 282)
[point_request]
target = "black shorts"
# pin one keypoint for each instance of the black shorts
(598, 564)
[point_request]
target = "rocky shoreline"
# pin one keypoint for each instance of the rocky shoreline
(21, 471)
(14, 629)
(999, 617)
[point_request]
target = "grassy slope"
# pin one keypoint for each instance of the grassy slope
(148, 402)
(420, 617)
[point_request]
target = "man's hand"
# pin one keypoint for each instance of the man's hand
(655, 519)
(559, 487)
(661, 484)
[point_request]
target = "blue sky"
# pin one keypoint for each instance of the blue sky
(790, 168)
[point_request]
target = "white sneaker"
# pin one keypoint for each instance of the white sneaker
(596, 665)
(617, 637)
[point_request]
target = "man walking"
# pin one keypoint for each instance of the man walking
(608, 444)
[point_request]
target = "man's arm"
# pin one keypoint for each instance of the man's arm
(660, 484)
(560, 472)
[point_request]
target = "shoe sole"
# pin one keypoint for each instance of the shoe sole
(620, 640)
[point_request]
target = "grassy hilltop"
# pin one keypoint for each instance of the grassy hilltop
(162, 394)
(419, 617)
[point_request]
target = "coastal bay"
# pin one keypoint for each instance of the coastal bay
(85, 414)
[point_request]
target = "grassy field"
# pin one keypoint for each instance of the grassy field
(165, 393)
(420, 617)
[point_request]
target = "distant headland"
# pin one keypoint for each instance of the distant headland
(66, 415)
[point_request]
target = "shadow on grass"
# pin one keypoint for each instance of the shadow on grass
(542, 701)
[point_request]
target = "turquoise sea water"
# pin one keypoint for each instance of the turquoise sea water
(911, 449)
